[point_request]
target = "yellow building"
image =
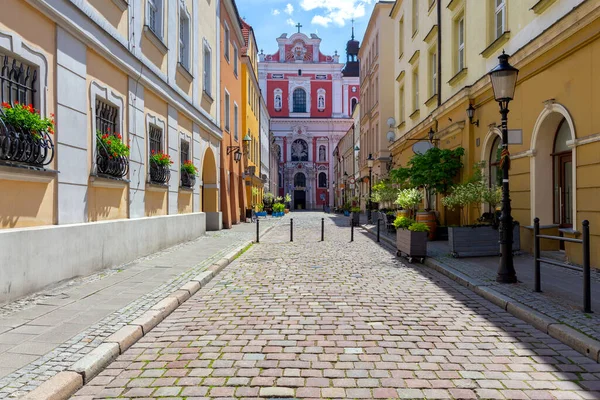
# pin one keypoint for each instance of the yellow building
(553, 141)
(141, 74)
(376, 57)
(251, 115)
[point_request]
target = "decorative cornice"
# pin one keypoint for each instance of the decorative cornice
(450, 130)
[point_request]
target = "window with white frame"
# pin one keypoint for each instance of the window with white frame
(184, 38)
(415, 16)
(227, 112)
(207, 77)
(433, 73)
(321, 99)
(322, 180)
(184, 152)
(235, 60)
(156, 139)
(415, 83)
(155, 16)
(499, 18)
(460, 44)
(401, 37)
(226, 43)
(277, 99)
(235, 121)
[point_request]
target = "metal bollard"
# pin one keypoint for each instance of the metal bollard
(322, 229)
(291, 229)
(378, 224)
(352, 230)
(257, 230)
(536, 254)
(587, 293)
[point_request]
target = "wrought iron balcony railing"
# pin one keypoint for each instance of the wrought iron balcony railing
(19, 146)
(188, 180)
(106, 164)
(159, 174)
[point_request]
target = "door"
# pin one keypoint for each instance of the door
(299, 199)
(563, 191)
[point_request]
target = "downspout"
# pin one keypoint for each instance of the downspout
(439, 49)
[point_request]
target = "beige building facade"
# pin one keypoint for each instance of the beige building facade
(553, 136)
(145, 70)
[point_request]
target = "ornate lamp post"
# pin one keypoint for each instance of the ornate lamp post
(504, 81)
(370, 165)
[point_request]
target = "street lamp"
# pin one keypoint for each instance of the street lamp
(370, 165)
(504, 81)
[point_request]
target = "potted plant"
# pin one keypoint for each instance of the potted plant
(346, 209)
(480, 239)
(268, 199)
(411, 238)
(409, 199)
(278, 209)
(385, 192)
(112, 155)
(355, 215)
(189, 172)
(260, 210)
(287, 200)
(159, 167)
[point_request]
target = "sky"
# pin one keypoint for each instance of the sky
(329, 19)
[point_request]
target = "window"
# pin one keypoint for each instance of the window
(322, 180)
(155, 139)
(226, 43)
(321, 99)
(401, 37)
(300, 180)
(184, 38)
(416, 89)
(227, 112)
(235, 60)
(17, 81)
(354, 103)
(235, 121)
(415, 16)
(277, 103)
(499, 18)
(154, 16)
(401, 111)
(460, 37)
(299, 101)
(185, 151)
(207, 70)
(563, 176)
(434, 77)
(106, 118)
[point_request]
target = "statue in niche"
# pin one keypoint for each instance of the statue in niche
(299, 51)
(299, 150)
(322, 153)
(278, 102)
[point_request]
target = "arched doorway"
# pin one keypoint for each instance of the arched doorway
(300, 191)
(210, 191)
(553, 175)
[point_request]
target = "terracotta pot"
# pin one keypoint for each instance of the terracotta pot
(403, 213)
(428, 218)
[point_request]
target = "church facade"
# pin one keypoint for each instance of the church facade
(310, 97)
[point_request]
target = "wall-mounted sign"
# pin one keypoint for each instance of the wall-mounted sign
(321, 77)
(515, 136)
(277, 76)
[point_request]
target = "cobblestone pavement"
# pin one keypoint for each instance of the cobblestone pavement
(561, 298)
(335, 319)
(139, 292)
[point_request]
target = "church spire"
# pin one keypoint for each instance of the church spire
(352, 28)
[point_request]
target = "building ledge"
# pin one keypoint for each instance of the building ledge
(156, 187)
(400, 76)
(432, 34)
(186, 189)
(432, 100)
(206, 96)
(122, 4)
(415, 114)
(452, 4)
(109, 182)
(184, 71)
(26, 173)
(458, 77)
(496, 44)
(299, 115)
(570, 231)
(414, 57)
(157, 41)
(542, 6)
(431, 6)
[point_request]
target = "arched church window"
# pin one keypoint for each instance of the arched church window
(299, 150)
(300, 180)
(277, 102)
(322, 180)
(322, 153)
(299, 101)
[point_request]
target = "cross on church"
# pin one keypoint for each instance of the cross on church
(298, 26)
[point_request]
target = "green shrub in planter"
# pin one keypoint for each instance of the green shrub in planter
(418, 227)
(403, 222)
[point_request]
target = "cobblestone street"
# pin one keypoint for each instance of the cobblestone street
(336, 319)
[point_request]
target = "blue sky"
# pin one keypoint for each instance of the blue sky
(329, 19)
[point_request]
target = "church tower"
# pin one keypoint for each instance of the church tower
(352, 67)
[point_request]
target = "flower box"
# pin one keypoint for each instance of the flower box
(187, 180)
(159, 174)
(116, 167)
(478, 241)
(346, 213)
(411, 244)
(261, 213)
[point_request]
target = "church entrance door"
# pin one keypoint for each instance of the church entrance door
(299, 200)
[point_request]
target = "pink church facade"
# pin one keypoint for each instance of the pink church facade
(310, 97)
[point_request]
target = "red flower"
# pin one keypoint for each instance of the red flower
(16, 102)
(152, 151)
(52, 115)
(108, 142)
(108, 129)
(115, 153)
(6, 105)
(119, 136)
(128, 147)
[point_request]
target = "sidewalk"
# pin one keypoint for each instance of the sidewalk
(47, 332)
(561, 298)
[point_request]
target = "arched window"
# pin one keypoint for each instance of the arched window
(322, 153)
(495, 174)
(299, 150)
(300, 180)
(299, 101)
(322, 180)
(354, 103)
(563, 176)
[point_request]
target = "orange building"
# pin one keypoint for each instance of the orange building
(233, 201)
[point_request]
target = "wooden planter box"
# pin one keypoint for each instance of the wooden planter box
(478, 241)
(411, 244)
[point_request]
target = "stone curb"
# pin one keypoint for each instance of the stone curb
(580, 342)
(64, 384)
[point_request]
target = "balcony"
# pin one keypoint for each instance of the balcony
(159, 174)
(26, 148)
(115, 167)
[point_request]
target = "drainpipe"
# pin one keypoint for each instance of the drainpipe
(439, 48)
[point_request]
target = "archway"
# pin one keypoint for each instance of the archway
(300, 191)
(210, 192)
(553, 166)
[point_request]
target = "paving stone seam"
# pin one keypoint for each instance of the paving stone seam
(580, 342)
(62, 385)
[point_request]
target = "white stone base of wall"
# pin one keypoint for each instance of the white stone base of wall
(214, 221)
(34, 258)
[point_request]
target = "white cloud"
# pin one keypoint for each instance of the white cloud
(290, 22)
(289, 9)
(275, 12)
(336, 11)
